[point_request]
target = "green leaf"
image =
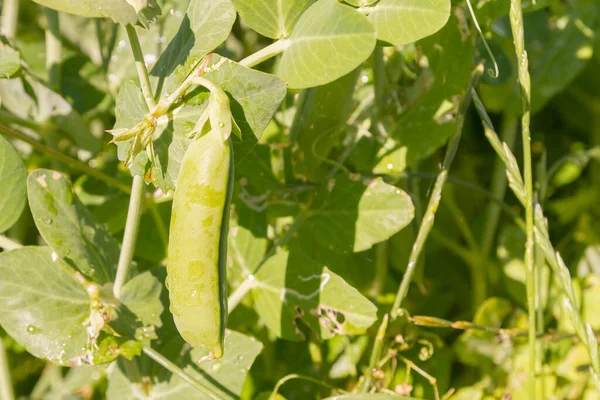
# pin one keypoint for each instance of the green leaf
(30, 99)
(141, 295)
(153, 41)
(320, 124)
(360, 3)
(41, 305)
(401, 22)
(224, 376)
(10, 61)
(426, 125)
(118, 10)
(12, 185)
(291, 287)
(329, 41)
(206, 24)
(351, 215)
(69, 228)
(245, 250)
(272, 18)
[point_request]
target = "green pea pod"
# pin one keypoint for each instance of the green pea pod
(196, 270)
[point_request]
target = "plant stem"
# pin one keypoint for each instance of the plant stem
(6, 389)
(76, 164)
(375, 354)
(53, 49)
(131, 231)
(263, 55)
(436, 195)
(162, 360)
(140, 65)
(8, 244)
(10, 18)
(508, 136)
(236, 297)
(516, 23)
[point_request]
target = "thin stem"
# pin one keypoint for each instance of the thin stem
(6, 389)
(53, 49)
(76, 164)
(236, 297)
(498, 190)
(131, 231)
(158, 221)
(516, 23)
(375, 354)
(263, 55)
(10, 18)
(436, 195)
(8, 244)
(163, 361)
(140, 65)
(305, 378)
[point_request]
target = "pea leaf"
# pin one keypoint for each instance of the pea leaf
(427, 124)
(401, 22)
(69, 228)
(10, 61)
(12, 185)
(206, 24)
(321, 124)
(225, 376)
(245, 251)
(352, 215)
(41, 305)
(272, 18)
(291, 287)
(360, 3)
(141, 295)
(29, 98)
(325, 31)
(118, 10)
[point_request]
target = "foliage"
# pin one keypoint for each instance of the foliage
(379, 224)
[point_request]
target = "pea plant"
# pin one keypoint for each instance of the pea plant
(299, 199)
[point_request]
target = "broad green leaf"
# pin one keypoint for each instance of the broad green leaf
(360, 3)
(272, 18)
(206, 24)
(351, 215)
(329, 41)
(41, 305)
(118, 10)
(13, 178)
(245, 251)
(291, 287)
(426, 125)
(224, 376)
(370, 396)
(30, 99)
(401, 22)
(320, 124)
(152, 41)
(141, 295)
(254, 96)
(69, 228)
(10, 61)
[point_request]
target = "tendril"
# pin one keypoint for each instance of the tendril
(495, 73)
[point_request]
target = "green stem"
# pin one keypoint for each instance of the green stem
(263, 55)
(53, 49)
(238, 295)
(6, 389)
(131, 231)
(163, 361)
(436, 195)
(8, 244)
(140, 65)
(498, 190)
(305, 378)
(516, 22)
(158, 221)
(375, 354)
(10, 18)
(76, 164)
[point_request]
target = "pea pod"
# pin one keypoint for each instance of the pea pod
(196, 270)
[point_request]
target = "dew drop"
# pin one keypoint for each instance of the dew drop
(216, 366)
(48, 221)
(33, 330)
(221, 125)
